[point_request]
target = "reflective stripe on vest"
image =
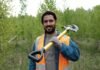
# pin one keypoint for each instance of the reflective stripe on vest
(63, 62)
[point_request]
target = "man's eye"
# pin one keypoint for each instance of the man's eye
(50, 20)
(45, 21)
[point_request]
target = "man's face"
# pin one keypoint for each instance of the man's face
(49, 24)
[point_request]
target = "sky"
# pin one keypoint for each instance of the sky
(33, 5)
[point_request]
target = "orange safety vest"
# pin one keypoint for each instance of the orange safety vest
(63, 62)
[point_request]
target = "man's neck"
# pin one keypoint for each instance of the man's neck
(53, 34)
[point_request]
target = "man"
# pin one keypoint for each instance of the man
(56, 57)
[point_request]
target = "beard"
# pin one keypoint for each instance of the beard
(49, 29)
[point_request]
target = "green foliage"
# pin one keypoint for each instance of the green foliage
(47, 5)
(17, 35)
(3, 8)
(95, 22)
(23, 7)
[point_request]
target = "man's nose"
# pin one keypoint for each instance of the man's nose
(48, 23)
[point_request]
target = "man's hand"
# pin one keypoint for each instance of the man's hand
(56, 41)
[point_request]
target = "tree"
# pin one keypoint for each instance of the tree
(23, 7)
(3, 26)
(3, 8)
(47, 5)
(95, 25)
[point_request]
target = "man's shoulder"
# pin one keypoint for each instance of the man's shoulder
(42, 35)
(66, 36)
(58, 33)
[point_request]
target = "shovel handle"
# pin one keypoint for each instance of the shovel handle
(34, 55)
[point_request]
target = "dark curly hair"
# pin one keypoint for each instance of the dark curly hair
(48, 13)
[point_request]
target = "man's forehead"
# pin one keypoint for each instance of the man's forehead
(48, 17)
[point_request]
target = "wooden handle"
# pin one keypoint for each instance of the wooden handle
(51, 43)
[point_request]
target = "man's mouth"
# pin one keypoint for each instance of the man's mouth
(49, 28)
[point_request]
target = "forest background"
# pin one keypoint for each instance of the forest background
(17, 35)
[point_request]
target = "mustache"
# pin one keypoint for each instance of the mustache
(49, 26)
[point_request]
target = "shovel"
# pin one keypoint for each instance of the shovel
(33, 54)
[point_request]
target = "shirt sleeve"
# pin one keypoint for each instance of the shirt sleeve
(70, 52)
(32, 64)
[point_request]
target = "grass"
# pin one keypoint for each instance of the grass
(90, 57)
(16, 59)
